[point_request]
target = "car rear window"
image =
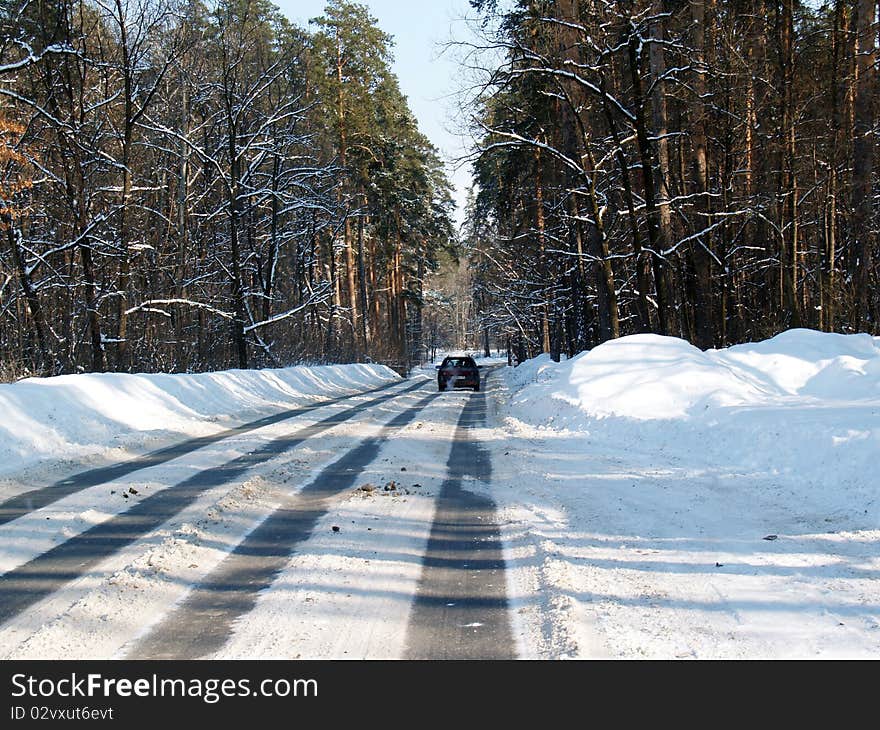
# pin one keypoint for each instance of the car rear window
(459, 362)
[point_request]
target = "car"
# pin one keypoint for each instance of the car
(458, 371)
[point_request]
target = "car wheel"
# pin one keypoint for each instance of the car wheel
(477, 388)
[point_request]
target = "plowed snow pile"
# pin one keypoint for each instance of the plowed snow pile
(648, 377)
(81, 418)
(803, 400)
(660, 469)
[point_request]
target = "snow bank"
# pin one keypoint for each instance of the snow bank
(651, 377)
(85, 417)
(660, 501)
(802, 408)
(810, 363)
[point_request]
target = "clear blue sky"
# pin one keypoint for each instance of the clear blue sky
(427, 75)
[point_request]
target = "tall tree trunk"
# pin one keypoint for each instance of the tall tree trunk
(239, 311)
(829, 263)
(542, 253)
(377, 308)
(123, 351)
(13, 237)
(700, 248)
(332, 336)
(658, 236)
(182, 229)
(576, 147)
(401, 300)
(97, 339)
(350, 272)
(642, 259)
(364, 332)
(609, 321)
(274, 242)
(863, 161)
(351, 286)
(234, 205)
(417, 345)
(788, 215)
(657, 62)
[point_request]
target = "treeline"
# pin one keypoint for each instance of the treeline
(189, 186)
(696, 168)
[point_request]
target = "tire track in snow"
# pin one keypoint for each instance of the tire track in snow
(202, 623)
(70, 560)
(461, 609)
(34, 499)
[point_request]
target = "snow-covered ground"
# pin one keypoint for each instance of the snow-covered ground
(52, 424)
(114, 602)
(352, 588)
(659, 501)
(654, 500)
(348, 594)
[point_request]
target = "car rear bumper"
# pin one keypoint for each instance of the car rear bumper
(458, 382)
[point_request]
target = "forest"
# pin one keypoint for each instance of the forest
(189, 187)
(695, 168)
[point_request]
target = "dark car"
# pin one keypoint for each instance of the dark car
(458, 372)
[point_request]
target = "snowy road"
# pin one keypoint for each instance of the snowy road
(645, 499)
(217, 538)
(461, 609)
(26, 502)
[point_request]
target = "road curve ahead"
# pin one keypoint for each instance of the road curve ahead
(461, 608)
